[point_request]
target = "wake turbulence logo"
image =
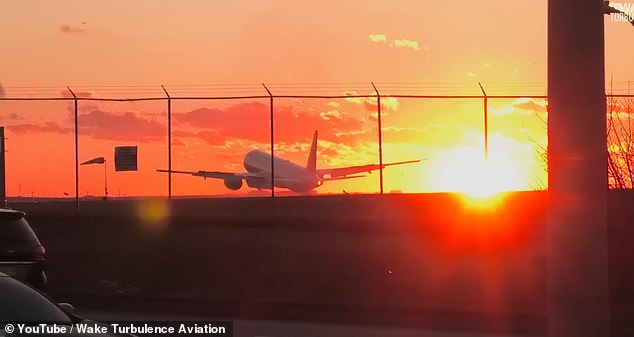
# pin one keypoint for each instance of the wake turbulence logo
(625, 12)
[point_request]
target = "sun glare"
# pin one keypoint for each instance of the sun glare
(465, 170)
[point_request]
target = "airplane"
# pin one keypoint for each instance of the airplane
(288, 175)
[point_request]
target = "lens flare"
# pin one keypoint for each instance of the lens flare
(153, 213)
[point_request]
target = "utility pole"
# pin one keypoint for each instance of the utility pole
(578, 288)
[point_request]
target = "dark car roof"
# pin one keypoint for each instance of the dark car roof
(11, 214)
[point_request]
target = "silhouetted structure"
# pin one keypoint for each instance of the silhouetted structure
(3, 187)
(578, 290)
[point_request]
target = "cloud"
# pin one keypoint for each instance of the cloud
(378, 38)
(390, 103)
(337, 154)
(70, 105)
(470, 74)
(407, 43)
(250, 121)
(486, 65)
(177, 142)
(49, 127)
(328, 115)
(71, 29)
(345, 133)
(2, 92)
(531, 104)
(11, 116)
(370, 102)
(127, 126)
(392, 134)
(209, 117)
(398, 43)
(526, 106)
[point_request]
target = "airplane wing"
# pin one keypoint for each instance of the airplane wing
(344, 172)
(211, 174)
(341, 177)
(225, 175)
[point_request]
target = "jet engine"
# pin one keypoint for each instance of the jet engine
(233, 183)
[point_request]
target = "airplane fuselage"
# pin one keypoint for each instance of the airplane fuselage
(287, 174)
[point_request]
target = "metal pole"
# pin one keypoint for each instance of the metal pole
(105, 179)
(486, 123)
(272, 142)
(169, 143)
(76, 153)
(378, 110)
(577, 233)
(3, 189)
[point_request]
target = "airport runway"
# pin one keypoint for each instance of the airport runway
(262, 328)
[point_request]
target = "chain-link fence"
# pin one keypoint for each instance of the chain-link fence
(49, 137)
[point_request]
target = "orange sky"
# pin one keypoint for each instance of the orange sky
(455, 44)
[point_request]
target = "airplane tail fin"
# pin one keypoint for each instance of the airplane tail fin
(312, 156)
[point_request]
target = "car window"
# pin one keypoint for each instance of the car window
(20, 302)
(16, 231)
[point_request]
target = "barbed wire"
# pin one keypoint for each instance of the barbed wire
(288, 89)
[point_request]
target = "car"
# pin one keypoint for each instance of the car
(22, 303)
(22, 255)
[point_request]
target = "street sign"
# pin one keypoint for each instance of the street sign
(125, 158)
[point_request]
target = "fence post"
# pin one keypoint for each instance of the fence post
(378, 110)
(169, 143)
(76, 153)
(3, 187)
(272, 142)
(486, 123)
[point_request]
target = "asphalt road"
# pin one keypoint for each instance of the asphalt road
(261, 328)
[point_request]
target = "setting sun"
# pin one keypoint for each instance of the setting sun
(464, 169)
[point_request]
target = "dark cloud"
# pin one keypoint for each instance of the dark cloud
(49, 127)
(177, 142)
(71, 29)
(81, 106)
(128, 126)
(15, 116)
(12, 116)
(250, 121)
(2, 92)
